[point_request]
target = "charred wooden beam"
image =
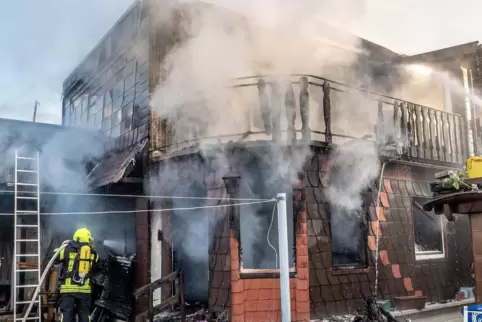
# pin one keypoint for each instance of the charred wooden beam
(380, 128)
(276, 111)
(290, 110)
(264, 106)
(144, 290)
(403, 128)
(173, 300)
(181, 297)
(327, 112)
(305, 109)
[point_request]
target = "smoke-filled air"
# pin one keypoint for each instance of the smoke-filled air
(218, 42)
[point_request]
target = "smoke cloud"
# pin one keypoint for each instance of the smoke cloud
(64, 154)
(207, 47)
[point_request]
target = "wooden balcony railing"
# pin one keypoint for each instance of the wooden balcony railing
(175, 300)
(309, 108)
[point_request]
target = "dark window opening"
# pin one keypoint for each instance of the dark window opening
(259, 180)
(428, 231)
(190, 239)
(349, 231)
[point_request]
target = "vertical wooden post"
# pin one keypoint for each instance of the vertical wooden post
(181, 296)
(264, 106)
(327, 112)
(151, 300)
(305, 109)
(290, 110)
(276, 111)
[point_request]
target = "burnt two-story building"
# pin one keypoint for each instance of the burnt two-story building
(354, 146)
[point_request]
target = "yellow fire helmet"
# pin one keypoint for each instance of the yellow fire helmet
(83, 235)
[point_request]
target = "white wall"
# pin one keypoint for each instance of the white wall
(156, 253)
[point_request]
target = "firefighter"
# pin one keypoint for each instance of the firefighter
(78, 260)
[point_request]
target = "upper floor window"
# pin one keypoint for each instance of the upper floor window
(428, 232)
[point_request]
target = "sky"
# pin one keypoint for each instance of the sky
(41, 42)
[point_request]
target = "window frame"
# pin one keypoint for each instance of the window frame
(269, 272)
(250, 273)
(363, 211)
(429, 255)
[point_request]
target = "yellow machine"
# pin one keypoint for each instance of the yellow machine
(474, 167)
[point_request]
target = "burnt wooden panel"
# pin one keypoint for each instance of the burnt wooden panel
(117, 65)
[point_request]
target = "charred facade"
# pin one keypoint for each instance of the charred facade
(294, 124)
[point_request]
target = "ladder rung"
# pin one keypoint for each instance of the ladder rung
(28, 211)
(28, 319)
(26, 302)
(27, 184)
(27, 240)
(20, 197)
(27, 171)
(26, 286)
(27, 270)
(26, 158)
(26, 255)
(27, 226)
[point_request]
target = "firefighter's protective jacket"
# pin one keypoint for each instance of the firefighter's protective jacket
(78, 261)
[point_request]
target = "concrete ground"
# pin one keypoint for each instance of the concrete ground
(451, 314)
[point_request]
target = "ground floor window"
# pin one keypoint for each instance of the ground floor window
(259, 222)
(348, 238)
(428, 232)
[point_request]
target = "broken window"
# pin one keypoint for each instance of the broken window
(349, 232)
(428, 231)
(259, 222)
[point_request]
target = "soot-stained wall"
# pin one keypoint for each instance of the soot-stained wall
(221, 258)
(400, 273)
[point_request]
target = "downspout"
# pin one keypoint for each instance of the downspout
(473, 115)
(377, 237)
(468, 112)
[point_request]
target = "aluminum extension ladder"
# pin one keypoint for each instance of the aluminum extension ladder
(26, 236)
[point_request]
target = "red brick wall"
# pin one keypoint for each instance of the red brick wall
(254, 300)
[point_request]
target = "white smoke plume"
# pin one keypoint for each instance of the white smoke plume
(208, 46)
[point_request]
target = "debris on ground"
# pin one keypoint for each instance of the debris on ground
(115, 300)
(371, 313)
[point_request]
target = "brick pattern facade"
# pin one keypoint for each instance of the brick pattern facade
(219, 251)
(258, 299)
(333, 292)
(241, 298)
(318, 291)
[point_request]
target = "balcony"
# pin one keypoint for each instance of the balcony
(304, 108)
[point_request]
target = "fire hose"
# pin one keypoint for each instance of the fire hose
(42, 278)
